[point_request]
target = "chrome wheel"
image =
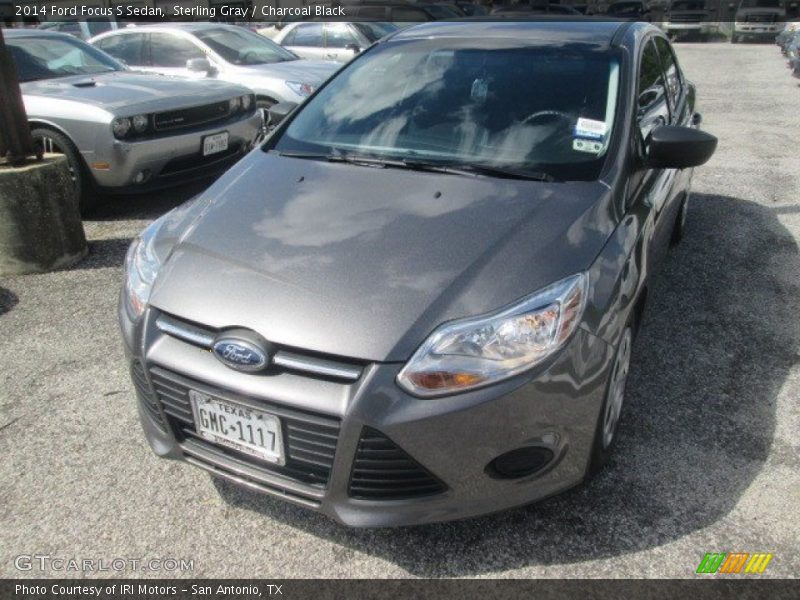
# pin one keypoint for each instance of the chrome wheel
(616, 388)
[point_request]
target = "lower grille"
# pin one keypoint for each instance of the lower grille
(196, 162)
(310, 438)
(146, 398)
(383, 471)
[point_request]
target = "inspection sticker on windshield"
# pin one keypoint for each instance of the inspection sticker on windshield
(587, 128)
(590, 146)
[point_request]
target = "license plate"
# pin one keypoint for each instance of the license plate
(236, 426)
(215, 143)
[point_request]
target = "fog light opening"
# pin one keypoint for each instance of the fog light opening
(141, 177)
(520, 462)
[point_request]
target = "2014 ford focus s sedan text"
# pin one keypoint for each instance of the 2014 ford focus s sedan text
(417, 300)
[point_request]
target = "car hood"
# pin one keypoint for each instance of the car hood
(132, 91)
(365, 262)
(313, 72)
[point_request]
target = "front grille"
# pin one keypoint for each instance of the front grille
(190, 117)
(383, 471)
(686, 18)
(760, 18)
(310, 439)
(331, 368)
(146, 398)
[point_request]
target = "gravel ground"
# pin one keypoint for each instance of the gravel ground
(707, 461)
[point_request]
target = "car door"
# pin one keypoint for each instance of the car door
(128, 47)
(340, 41)
(307, 40)
(649, 189)
(169, 53)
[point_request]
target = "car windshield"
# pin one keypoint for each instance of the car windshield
(761, 4)
(242, 47)
(688, 5)
(543, 108)
(375, 31)
(625, 8)
(48, 57)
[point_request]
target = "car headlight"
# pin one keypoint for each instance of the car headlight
(234, 104)
(120, 127)
(247, 102)
(478, 351)
(301, 89)
(141, 267)
(140, 123)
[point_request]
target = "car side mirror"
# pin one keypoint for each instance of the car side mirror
(199, 65)
(278, 112)
(354, 48)
(674, 147)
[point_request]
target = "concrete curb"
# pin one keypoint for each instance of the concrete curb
(40, 223)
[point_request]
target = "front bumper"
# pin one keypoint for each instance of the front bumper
(453, 439)
(171, 160)
(691, 28)
(756, 30)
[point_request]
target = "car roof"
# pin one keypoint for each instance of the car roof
(19, 33)
(578, 29)
(189, 26)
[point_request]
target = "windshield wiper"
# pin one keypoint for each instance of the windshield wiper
(421, 165)
(478, 169)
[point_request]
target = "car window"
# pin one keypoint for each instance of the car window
(339, 35)
(375, 31)
(172, 51)
(71, 27)
(308, 34)
(408, 14)
(288, 39)
(671, 71)
(49, 57)
(371, 12)
(544, 108)
(127, 47)
(98, 26)
(239, 46)
(653, 109)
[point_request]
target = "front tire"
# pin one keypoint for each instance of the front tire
(605, 436)
(55, 142)
(679, 230)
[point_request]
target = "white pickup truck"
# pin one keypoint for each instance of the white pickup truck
(758, 19)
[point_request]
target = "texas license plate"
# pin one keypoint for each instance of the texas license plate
(239, 427)
(212, 144)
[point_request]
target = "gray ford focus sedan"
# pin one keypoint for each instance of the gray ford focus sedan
(417, 300)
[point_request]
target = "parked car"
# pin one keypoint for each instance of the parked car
(418, 300)
(80, 29)
(787, 33)
(758, 20)
(215, 51)
(634, 10)
(471, 9)
(688, 18)
(123, 131)
(533, 8)
(337, 41)
(793, 54)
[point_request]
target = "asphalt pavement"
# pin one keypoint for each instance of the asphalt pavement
(708, 454)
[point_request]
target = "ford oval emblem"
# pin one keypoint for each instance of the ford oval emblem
(240, 354)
